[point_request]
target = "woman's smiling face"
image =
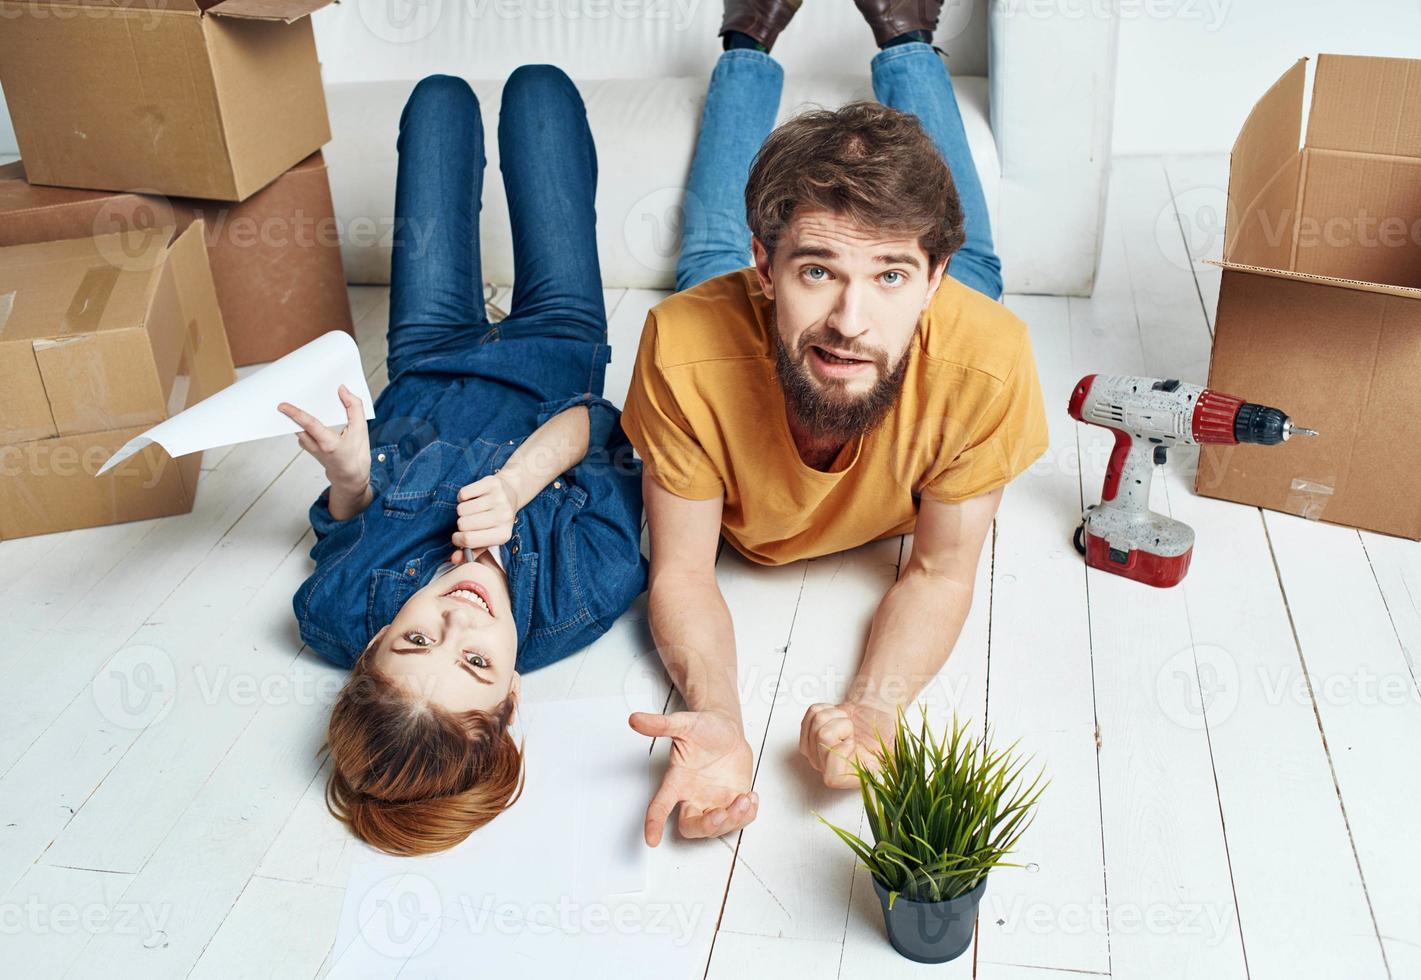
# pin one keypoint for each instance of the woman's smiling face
(454, 642)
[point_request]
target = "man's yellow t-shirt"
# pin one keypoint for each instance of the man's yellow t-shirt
(707, 416)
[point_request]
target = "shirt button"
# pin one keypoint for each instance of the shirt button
(557, 484)
(410, 570)
(510, 442)
(381, 457)
(514, 549)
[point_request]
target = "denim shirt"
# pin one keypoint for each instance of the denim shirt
(574, 561)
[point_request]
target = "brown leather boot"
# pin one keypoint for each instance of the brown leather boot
(892, 18)
(761, 19)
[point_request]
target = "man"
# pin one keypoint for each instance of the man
(859, 380)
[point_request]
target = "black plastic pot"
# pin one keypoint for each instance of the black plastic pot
(931, 932)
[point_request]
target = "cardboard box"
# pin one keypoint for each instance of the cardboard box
(177, 97)
(1320, 305)
(275, 257)
(101, 338)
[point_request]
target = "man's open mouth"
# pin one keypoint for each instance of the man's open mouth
(472, 594)
(830, 357)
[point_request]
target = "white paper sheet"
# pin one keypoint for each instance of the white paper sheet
(555, 886)
(308, 378)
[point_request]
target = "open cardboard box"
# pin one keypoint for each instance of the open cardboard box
(182, 97)
(101, 338)
(1320, 304)
(275, 257)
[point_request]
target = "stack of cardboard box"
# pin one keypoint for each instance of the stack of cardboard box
(146, 132)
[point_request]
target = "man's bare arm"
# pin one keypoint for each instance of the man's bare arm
(914, 630)
(711, 764)
(689, 618)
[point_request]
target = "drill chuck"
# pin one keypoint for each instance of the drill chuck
(1261, 425)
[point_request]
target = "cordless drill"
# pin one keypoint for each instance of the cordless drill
(1148, 416)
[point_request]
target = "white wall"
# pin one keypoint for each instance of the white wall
(1190, 70)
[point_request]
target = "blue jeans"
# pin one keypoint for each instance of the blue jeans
(741, 103)
(549, 166)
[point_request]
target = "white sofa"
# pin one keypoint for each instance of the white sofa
(1035, 80)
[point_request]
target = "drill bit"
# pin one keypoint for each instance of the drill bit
(1298, 430)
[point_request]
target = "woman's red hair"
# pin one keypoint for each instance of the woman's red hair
(409, 777)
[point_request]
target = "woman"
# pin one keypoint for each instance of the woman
(489, 521)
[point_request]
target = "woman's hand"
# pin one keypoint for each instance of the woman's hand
(486, 511)
(344, 455)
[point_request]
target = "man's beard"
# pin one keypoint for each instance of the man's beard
(825, 409)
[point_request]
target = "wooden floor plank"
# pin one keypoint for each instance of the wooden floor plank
(1365, 696)
(45, 681)
(792, 875)
(1199, 194)
(959, 691)
(50, 912)
(52, 575)
(277, 929)
(223, 676)
(1167, 867)
(738, 956)
(1240, 636)
(207, 857)
(1396, 564)
(1052, 913)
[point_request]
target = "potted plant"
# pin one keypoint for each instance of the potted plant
(943, 812)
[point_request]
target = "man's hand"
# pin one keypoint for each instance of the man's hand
(709, 775)
(486, 511)
(832, 735)
(344, 455)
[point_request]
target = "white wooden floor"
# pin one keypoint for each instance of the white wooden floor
(1235, 777)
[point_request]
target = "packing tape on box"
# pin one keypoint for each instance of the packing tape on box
(7, 304)
(1308, 498)
(90, 299)
(309, 378)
